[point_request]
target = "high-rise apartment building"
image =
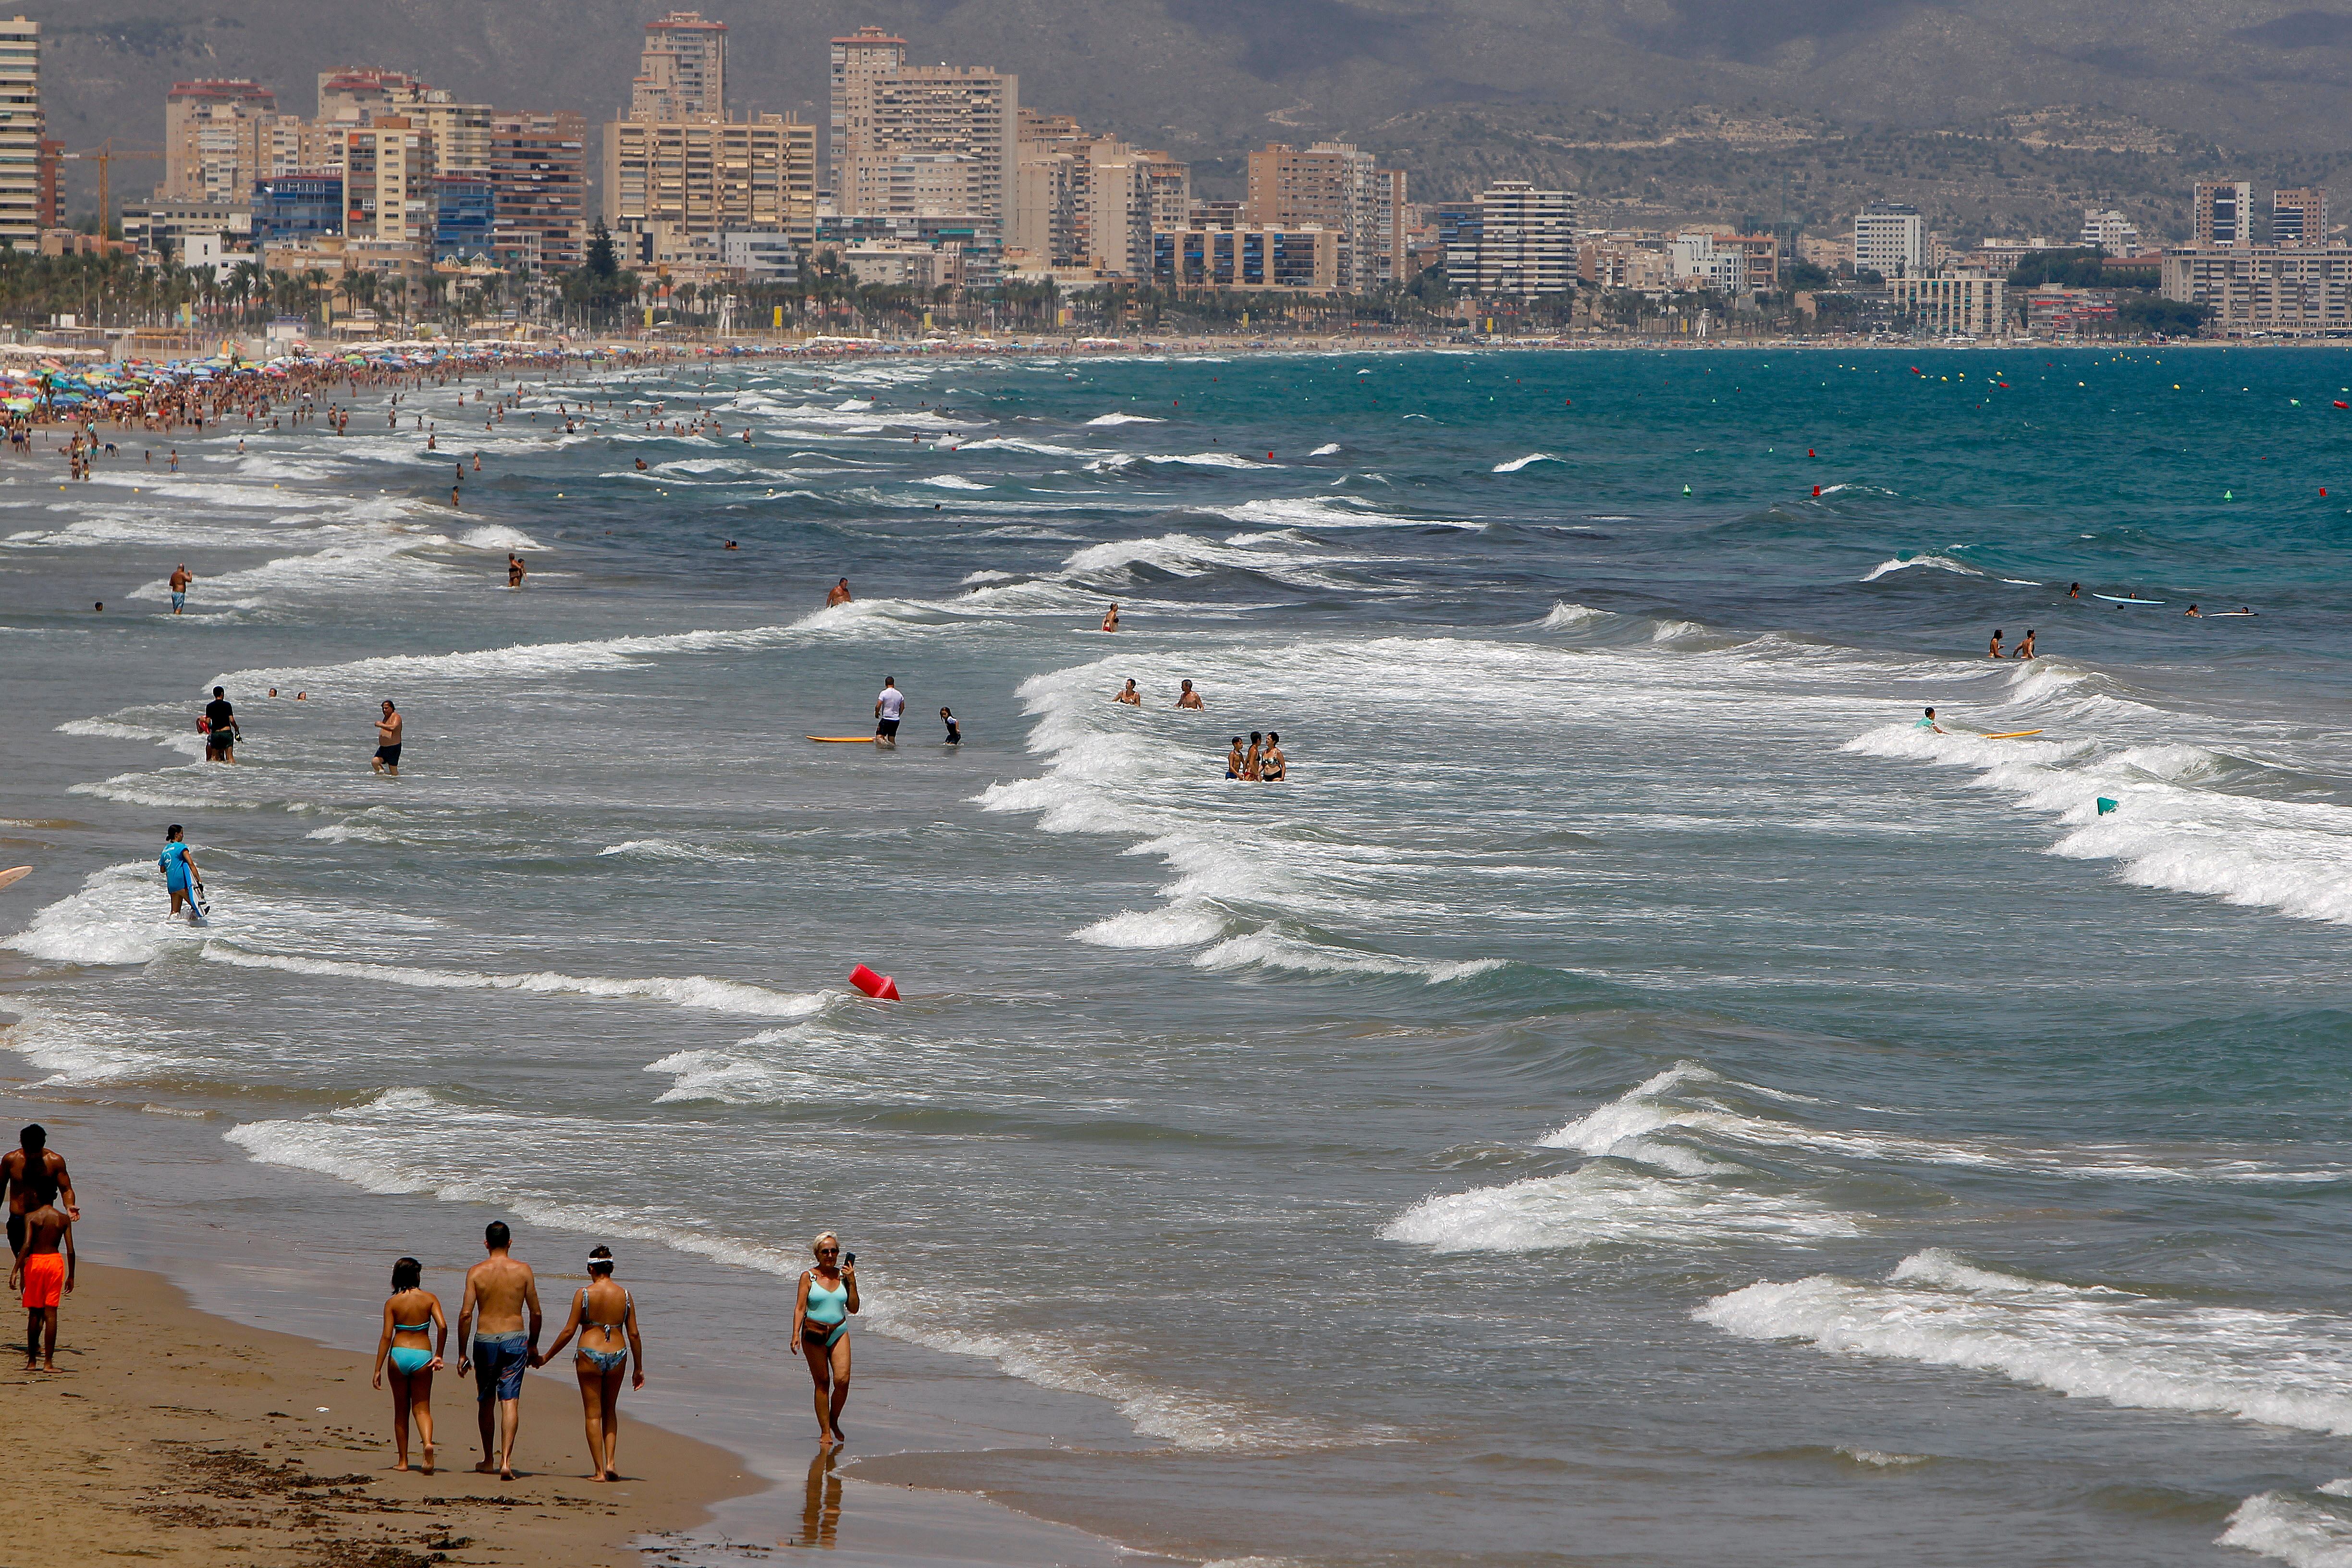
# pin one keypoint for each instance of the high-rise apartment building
(706, 177)
(1335, 185)
(357, 92)
(682, 73)
(2110, 231)
(388, 182)
(539, 175)
(2224, 212)
(212, 139)
(2299, 215)
(943, 138)
(20, 133)
(1084, 200)
(1526, 241)
(1890, 238)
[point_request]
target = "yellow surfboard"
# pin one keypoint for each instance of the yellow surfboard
(842, 739)
(15, 873)
(2013, 735)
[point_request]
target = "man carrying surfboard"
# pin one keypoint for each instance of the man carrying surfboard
(888, 707)
(181, 876)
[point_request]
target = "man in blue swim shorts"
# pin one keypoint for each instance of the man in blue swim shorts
(503, 1289)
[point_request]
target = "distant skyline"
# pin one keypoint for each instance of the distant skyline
(1458, 93)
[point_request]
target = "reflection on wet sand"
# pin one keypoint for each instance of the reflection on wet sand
(821, 1514)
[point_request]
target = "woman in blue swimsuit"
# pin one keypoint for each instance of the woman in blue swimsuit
(828, 1295)
(603, 1315)
(409, 1311)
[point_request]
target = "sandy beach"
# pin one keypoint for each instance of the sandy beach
(172, 1435)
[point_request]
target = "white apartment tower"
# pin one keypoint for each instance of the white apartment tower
(2109, 230)
(1527, 240)
(1890, 238)
(922, 141)
(20, 133)
(682, 74)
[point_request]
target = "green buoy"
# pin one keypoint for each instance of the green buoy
(2106, 805)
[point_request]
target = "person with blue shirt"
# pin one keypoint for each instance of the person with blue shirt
(179, 874)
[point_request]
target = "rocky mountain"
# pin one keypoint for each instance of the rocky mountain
(1659, 106)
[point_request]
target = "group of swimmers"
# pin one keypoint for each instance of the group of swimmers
(222, 732)
(1259, 761)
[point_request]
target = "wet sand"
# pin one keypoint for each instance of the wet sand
(171, 1436)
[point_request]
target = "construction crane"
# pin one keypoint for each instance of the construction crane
(106, 153)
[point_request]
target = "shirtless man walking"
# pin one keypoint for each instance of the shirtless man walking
(46, 1275)
(35, 1175)
(387, 743)
(181, 578)
(501, 1289)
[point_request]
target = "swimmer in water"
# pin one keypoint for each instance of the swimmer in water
(1110, 619)
(641, 465)
(1129, 695)
(839, 594)
(2195, 611)
(1255, 761)
(2025, 648)
(1234, 760)
(1994, 651)
(1274, 767)
(1188, 697)
(1927, 721)
(955, 730)
(2073, 590)
(515, 570)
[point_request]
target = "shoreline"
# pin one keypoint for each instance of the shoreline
(217, 1443)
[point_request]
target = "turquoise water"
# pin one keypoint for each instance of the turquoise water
(1631, 1098)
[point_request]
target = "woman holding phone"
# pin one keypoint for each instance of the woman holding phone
(820, 1313)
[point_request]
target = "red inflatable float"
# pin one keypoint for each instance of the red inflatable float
(881, 987)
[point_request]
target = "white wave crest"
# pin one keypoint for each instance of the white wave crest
(1125, 419)
(696, 991)
(1905, 562)
(2128, 1349)
(2298, 1531)
(1516, 464)
(1601, 1204)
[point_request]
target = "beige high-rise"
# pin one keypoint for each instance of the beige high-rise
(20, 132)
(924, 140)
(682, 74)
(212, 133)
(1336, 186)
(388, 182)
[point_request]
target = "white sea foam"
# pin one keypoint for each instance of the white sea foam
(120, 915)
(659, 849)
(2299, 1532)
(1516, 464)
(1328, 449)
(1905, 562)
(76, 1045)
(186, 742)
(1671, 631)
(1563, 615)
(1879, 1459)
(1125, 419)
(2286, 1369)
(1600, 1204)
(953, 482)
(696, 991)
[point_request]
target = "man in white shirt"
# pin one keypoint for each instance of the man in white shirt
(887, 707)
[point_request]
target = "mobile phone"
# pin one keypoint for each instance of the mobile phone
(850, 1258)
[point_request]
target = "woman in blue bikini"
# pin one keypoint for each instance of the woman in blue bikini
(828, 1295)
(409, 1311)
(602, 1314)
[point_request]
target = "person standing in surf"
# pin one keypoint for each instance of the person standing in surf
(1188, 697)
(820, 1313)
(888, 709)
(180, 874)
(387, 743)
(408, 1312)
(838, 595)
(1274, 767)
(604, 1316)
(1110, 619)
(181, 578)
(220, 728)
(2025, 648)
(1994, 651)
(1234, 760)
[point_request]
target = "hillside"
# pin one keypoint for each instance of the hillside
(1987, 111)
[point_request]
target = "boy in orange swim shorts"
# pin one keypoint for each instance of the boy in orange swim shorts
(48, 1276)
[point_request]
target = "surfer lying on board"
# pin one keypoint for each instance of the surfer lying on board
(1927, 721)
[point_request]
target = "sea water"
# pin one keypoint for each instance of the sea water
(1631, 1097)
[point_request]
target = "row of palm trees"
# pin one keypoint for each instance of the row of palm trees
(122, 290)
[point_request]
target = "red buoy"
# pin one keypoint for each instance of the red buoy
(2341, 404)
(881, 987)
(1817, 489)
